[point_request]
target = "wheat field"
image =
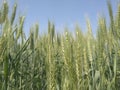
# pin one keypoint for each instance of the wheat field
(55, 61)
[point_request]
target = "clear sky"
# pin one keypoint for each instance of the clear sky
(62, 12)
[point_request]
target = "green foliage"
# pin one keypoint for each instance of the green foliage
(59, 61)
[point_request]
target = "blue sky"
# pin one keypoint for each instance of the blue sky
(63, 13)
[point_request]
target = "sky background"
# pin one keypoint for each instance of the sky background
(63, 13)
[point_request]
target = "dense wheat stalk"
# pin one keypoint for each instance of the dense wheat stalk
(54, 61)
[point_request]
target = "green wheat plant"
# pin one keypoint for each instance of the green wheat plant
(59, 61)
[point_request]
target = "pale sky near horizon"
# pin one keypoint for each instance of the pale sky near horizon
(62, 12)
